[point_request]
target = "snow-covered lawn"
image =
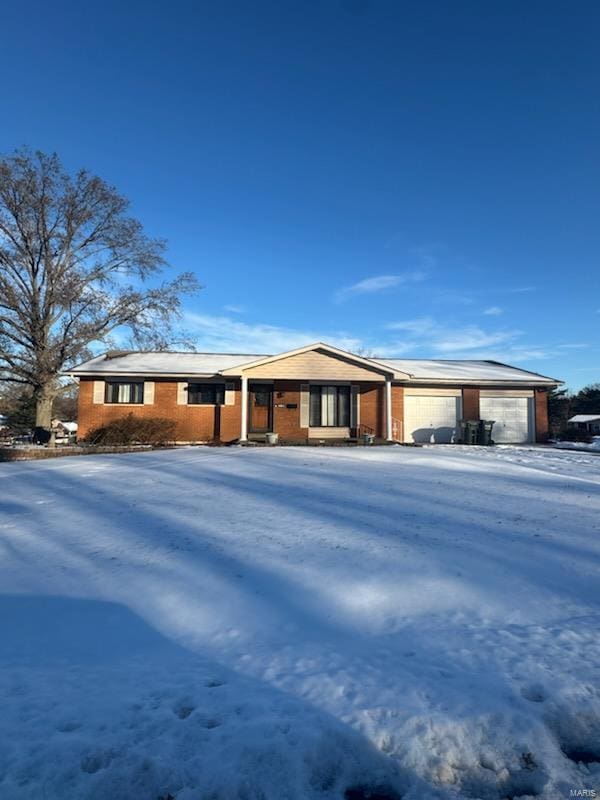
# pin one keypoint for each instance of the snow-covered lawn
(297, 622)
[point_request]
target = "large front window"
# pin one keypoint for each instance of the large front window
(329, 406)
(206, 394)
(124, 392)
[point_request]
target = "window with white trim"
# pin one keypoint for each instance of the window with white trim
(124, 392)
(329, 407)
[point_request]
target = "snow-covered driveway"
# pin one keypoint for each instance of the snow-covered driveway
(297, 622)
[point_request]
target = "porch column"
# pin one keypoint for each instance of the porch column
(244, 425)
(388, 409)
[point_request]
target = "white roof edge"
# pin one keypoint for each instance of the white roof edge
(86, 368)
(144, 374)
(458, 381)
(525, 375)
(527, 371)
(213, 366)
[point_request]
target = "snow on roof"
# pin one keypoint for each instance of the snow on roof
(163, 363)
(172, 363)
(69, 426)
(585, 418)
(432, 369)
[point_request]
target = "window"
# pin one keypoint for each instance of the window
(262, 397)
(206, 394)
(329, 406)
(117, 392)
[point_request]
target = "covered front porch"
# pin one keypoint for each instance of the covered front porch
(314, 411)
(317, 394)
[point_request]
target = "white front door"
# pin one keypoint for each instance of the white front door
(513, 418)
(431, 419)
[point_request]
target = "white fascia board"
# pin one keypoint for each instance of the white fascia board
(149, 375)
(473, 382)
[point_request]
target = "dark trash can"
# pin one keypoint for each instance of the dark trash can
(485, 431)
(469, 431)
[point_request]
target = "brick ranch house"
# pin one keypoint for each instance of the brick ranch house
(312, 393)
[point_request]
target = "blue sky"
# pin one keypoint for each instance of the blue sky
(412, 179)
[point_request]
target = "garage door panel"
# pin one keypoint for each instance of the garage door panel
(431, 419)
(513, 418)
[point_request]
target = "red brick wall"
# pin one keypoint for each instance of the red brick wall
(470, 402)
(286, 421)
(372, 406)
(541, 415)
(194, 423)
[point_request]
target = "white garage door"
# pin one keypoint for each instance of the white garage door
(430, 418)
(513, 418)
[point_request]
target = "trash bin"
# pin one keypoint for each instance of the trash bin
(469, 431)
(485, 431)
(368, 438)
(272, 438)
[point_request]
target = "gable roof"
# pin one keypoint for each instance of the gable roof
(585, 418)
(336, 352)
(174, 365)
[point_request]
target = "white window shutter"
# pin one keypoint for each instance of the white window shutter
(304, 404)
(182, 393)
(354, 406)
(148, 393)
(230, 394)
(98, 392)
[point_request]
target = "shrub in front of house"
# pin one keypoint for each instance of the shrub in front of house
(130, 430)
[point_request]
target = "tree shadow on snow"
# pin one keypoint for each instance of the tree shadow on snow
(97, 703)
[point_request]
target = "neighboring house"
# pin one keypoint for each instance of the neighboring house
(586, 422)
(312, 393)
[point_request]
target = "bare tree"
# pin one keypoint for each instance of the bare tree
(73, 269)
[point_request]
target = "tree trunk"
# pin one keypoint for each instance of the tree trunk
(44, 397)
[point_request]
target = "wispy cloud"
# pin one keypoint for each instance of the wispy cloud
(430, 337)
(470, 338)
(520, 289)
(234, 309)
(417, 326)
(223, 334)
(493, 311)
(377, 283)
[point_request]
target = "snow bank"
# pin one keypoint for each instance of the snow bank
(593, 446)
(293, 623)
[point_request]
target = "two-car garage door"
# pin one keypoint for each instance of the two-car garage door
(433, 415)
(513, 414)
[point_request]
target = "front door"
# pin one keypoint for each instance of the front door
(260, 398)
